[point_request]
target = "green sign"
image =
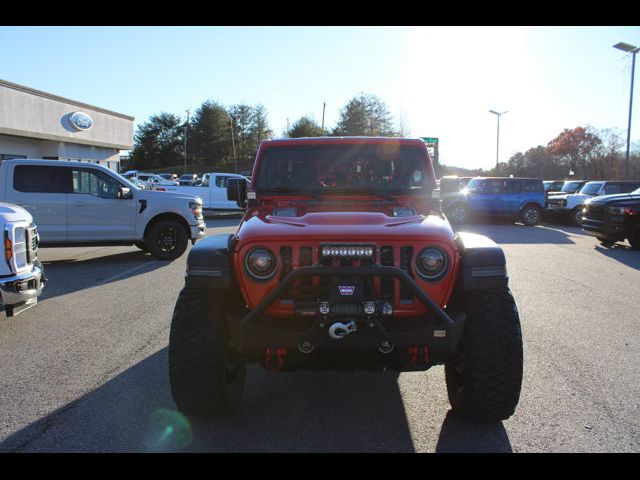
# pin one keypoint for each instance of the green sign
(432, 148)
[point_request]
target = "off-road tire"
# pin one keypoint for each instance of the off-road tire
(167, 239)
(458, 214)
(485, 376)
(634, 239)
(206, 379)
(531, 215)
(141, 245)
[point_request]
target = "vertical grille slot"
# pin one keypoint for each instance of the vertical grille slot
(287, 265)
(386, 282)
(306, 260)
(406, 255)
(287, 261)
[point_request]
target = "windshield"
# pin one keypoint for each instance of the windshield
(591, 188)
(345, 169)
(571, 187)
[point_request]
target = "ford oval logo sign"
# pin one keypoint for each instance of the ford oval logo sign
(80, 121)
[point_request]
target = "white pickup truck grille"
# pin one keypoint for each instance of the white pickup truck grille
(32, 244)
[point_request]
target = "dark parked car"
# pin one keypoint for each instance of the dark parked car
(188, 179)
(521, 199)
(452, 183)
(614, 218)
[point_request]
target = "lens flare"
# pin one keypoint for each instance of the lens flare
(169, 431)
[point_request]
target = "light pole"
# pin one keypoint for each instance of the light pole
(625, 47)
(497, 114)
(186, 127)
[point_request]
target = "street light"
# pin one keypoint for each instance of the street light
(498, 140)
(186, 127)
(625, 47)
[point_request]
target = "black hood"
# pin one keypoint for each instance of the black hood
(620, 197)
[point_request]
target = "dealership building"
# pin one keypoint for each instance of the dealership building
(36, 124)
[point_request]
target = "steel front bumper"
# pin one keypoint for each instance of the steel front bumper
(20, 292)
(435, 335)
(616, 231)
(198, 231)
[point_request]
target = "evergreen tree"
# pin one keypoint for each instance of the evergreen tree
(305, 127)
(365, 115)
(210, 135)
(158, 142)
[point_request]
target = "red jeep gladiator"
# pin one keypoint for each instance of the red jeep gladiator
(344, 260)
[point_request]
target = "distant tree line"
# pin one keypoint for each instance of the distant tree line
(582, 153)
(218, 136)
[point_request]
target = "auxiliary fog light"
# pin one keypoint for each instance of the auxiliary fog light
(369, 308)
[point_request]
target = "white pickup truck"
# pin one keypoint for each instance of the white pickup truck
(212, 190)
(82, 203)
(21, 274)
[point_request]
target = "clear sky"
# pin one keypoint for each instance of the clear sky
(440, 80)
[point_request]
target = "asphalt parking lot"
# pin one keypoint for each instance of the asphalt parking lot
(85, 370)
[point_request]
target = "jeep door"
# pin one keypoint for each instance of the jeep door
(95, 211)
(42, 190)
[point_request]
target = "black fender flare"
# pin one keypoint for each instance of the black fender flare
(483, 263)
(209, 263)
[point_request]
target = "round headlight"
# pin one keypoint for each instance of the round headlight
(432, 263)
(260, 263)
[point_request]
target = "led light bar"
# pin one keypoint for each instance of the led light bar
(344, 250)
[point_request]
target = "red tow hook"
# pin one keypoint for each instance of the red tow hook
(413, 354)
(274, 358)
(415, 351)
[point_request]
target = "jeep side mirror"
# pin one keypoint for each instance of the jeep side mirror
(237, 189)
(124, 193)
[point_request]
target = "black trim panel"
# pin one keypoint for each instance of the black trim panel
(208, 263)
(483, 262)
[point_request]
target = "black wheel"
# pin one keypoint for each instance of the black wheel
(576, 216)
(485, 376)
(531, 215)
(141, 245)
(167, 240)
(458, 214)
(634, 239)
(206, 379)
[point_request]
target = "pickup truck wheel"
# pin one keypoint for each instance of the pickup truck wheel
(634, 239)
(531, 215)
(206, 379)
(576, 216)
(458, 214)
(166, 240)
(485, 376)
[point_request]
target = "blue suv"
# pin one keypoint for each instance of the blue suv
(521, 199)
